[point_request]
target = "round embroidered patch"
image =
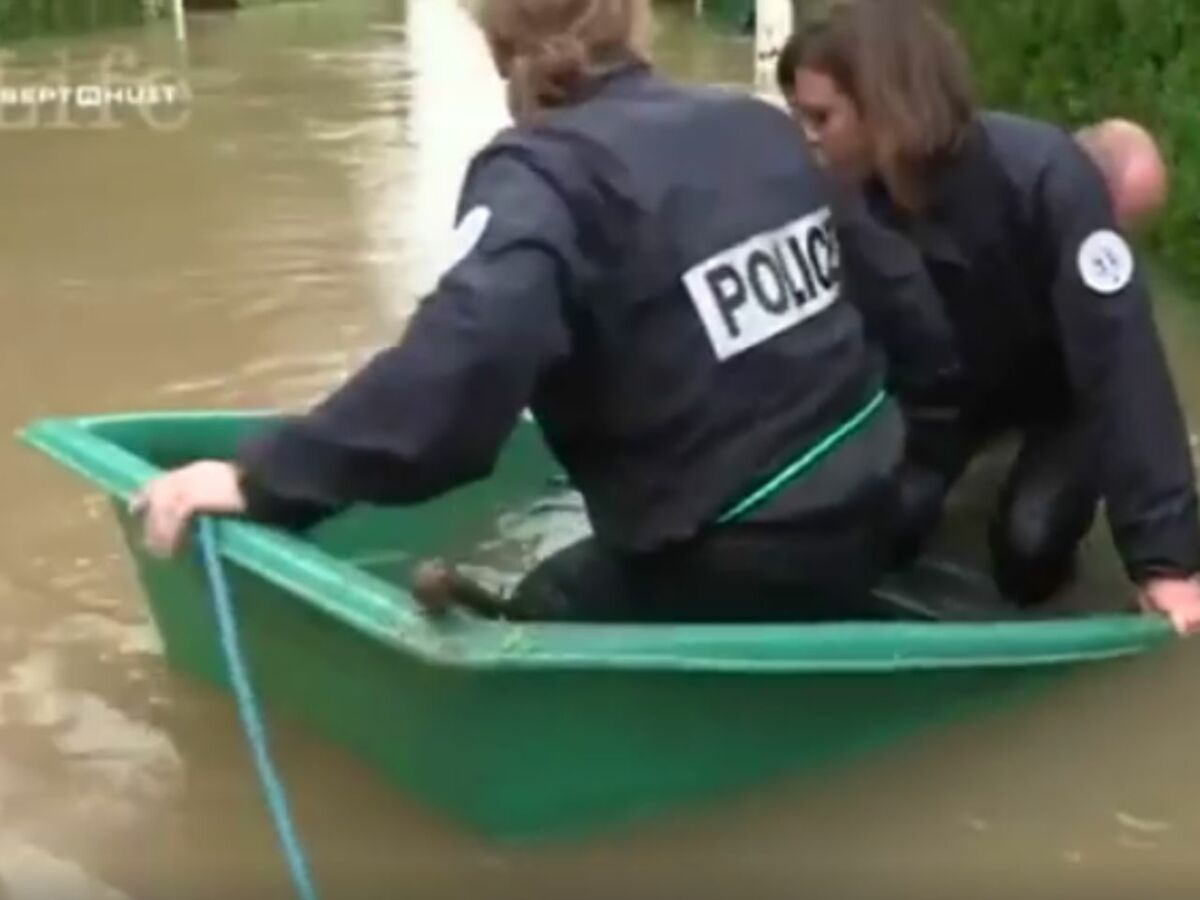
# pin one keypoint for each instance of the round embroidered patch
(1105, 262)
(467, 234)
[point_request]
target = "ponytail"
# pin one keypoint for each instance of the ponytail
(547, 75)
(549, 50)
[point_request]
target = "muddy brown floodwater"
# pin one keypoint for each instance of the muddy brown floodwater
(247, 248)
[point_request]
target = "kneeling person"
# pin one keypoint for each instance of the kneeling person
(1020, 227)
(653, 271)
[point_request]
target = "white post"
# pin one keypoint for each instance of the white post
(772, 25)
(180, 23)
(457, 104)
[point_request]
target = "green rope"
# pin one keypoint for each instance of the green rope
(810, 458)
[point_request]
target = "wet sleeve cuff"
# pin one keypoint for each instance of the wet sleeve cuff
(264, 503)
(273, 509)
(1167, 548)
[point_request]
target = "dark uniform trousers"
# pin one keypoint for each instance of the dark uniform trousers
(735, 574)
(768, 566)
(1047, 503)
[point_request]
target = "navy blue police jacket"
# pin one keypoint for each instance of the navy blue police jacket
(1053, 319)
(655, 271)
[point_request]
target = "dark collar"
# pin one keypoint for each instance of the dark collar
(952, 181)
(961, 173)
(614, 78)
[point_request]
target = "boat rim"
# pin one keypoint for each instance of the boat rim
(389, 615)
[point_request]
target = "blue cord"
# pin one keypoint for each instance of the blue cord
(251, 718)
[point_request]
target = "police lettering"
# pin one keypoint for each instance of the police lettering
(767, 284)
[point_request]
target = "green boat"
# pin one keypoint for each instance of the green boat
(540, 731)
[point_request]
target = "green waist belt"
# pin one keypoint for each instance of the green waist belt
(806, 460)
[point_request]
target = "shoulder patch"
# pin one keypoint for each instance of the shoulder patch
(467, 235)
(1105, 262)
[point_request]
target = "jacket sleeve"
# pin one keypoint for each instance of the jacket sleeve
(1119, 374)
(901, 310)
(432, 412)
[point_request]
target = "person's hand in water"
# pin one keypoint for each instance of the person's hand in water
(168, 503)
(1176, 598)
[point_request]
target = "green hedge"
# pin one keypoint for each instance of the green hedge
(1076, 61)
(21, 19)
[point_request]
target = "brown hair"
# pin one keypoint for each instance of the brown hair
(906, 70)
(548, 50)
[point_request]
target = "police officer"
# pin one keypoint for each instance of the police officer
(657, 273)
(1048, 304)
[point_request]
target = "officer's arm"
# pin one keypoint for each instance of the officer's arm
(433, 411)
(1120, 376)
(902, 312)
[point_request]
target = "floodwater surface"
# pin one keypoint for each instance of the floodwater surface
(247, 247)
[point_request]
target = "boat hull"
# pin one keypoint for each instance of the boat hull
(538, 731)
